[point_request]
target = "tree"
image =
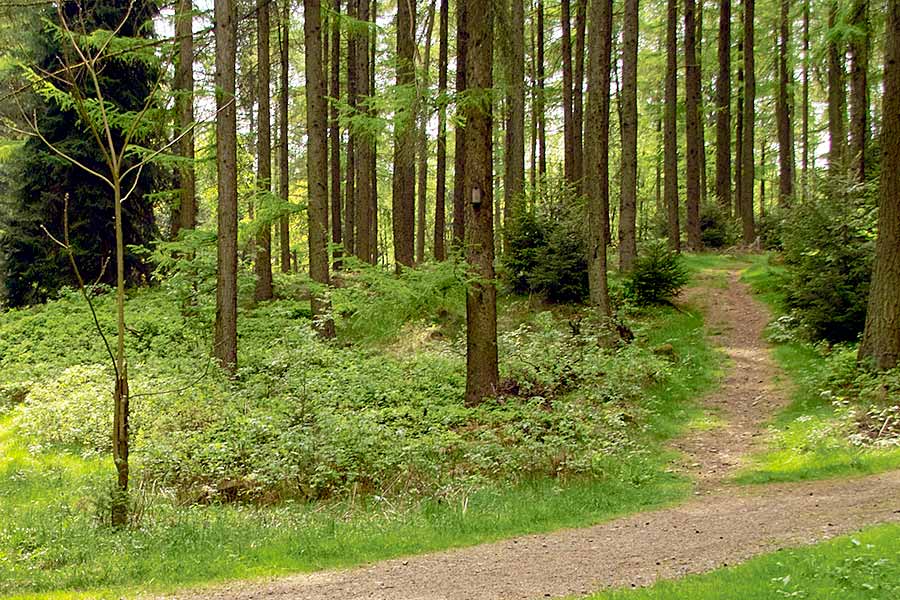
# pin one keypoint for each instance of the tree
(316, 161)
(805, 120)
(186, 215)
(694, 141)
(541, 93)
(440, 210)
(670, 136)
(482, 377)
(284, 175)
(747, 164)
(723, 109)
(567, 93)
(596, 150)
(629, 134)
(334, 133)
(514, 150)
(837, 94)
(263, 264)
(459, 158)
(424, 111)
(403, 191)
(225, 345)
(578, 96)
(351, 193)
(785, 110)
(859, 87)
(881, 338)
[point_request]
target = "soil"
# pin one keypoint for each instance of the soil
(722, 525)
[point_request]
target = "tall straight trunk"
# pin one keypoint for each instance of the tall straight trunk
(785, 111)
(859, 88)
(723, 109)
(184, 107)
(628, 187)
(567, 99)
(283, 155)
(739, 132)
(596, 149)
(881, 339)
(263, 263)
(542, 94)
(692, 125)
(514, 150)
(365, 149)
(335, 135)
(670, 135)
(404, 176)
(482, 376)
(316, 164)
(701, 108)
(440, 201)
(762, 179)
(424, 114)
(351, 194)
(372, 167)
(534, 101)
(459, 158)
(578, 96)
(837, 97)
(805, 119)
(748, 166)
(225, 341)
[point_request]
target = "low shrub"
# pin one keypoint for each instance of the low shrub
(659, 275)
(717, 228)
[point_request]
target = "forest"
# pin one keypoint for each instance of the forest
(450, 299)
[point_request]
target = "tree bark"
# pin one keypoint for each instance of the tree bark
(692, 125)
(404, 176)
(424, 111)
(316, 165)
(482, 376)
(880, 345)
(351, 194)
(284, 154)
(514, 150)
(739, 132)
(459, 158)
(578, 96)
(785, 110)
(184, 107)
(365, 148)
(567, 99)
(335, 136)
(859, 88)
(596, 151)
(748, 226)
(723, 110)
(263, 262)
(440, 209)
(670, 139)
(837, 97)
(541, 94)
(628, 186)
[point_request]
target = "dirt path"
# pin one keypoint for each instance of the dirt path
(728, 524)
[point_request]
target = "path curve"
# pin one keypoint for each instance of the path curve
(724, 524)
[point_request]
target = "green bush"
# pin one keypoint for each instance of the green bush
(717, 228)
(659, 275)
(829, 245)
(546, 245)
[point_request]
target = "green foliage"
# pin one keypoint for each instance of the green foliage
(828, 249)
(659, 275)
(717, 228)
(547, 251)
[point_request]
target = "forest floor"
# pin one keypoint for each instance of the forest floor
(723, 524)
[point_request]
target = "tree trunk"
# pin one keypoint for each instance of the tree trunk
(784, 110)
(578, 96)
(542, 95)
(567, 99)
(404, 176)
(881, 339)
(837, 97)
(514, 153)
(534, 102)
(596, 151)
(184, 107)
(335, 135)
(628, 188)
(859, 88)
(424, 111)
(440, 209)
(372, 165)
(365, 148)
(481, 294)
(692, 125)
(670, 139)
(723, 110)
(748, 167)
(459, 158)
(316, 164)
(805, 125)
(263, 263)
(739, 132)
(284, 154)
(225, 345)
(351, 194)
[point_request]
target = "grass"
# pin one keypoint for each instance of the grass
(54, 545)
(805, 443)
(863, 566)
